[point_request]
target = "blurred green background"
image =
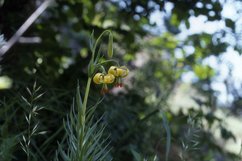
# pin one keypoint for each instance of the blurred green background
(168, 46)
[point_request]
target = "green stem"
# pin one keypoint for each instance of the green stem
(83, 116)
(98, 39)
(107, 61)
(84, 105)
(82, 111)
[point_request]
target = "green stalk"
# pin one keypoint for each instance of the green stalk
(82, 110)
(99, 38)
(84, 105)
(82, 117)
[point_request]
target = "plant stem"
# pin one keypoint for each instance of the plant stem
(82, 110)
(84, 105)
(83, 117)
(98, 39)
(25, 26)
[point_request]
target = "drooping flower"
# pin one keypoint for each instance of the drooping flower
(98, 78)
(119, 73)
(104, 79)
(109, 78)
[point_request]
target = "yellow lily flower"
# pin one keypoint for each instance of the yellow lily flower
(118, 72)
(100, 78)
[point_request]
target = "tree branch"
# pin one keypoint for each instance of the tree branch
(25, 26)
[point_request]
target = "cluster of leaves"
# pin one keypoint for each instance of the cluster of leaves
(32, 110)
(84, 138)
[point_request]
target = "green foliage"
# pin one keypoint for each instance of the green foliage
(31, 111)
(190, 141)
(84, 139)
(7, 147)
(203, 72)
(130, 118)
(138, 157)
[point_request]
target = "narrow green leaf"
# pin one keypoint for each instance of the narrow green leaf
(78, 97)
(34, 86)
(98, 55)
(28, 90)
(91, 109)
(40, 95)
(91, 43)
(38, 88)
(63, 154)
(25, 100)
(91, 68)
